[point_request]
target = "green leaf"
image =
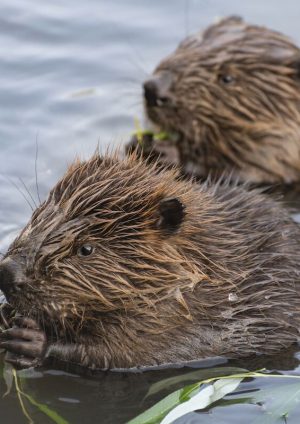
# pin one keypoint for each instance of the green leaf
(193, 376)
(53, 415)
(8, 377)
(188, 391)
(276, 409)
(203, 399)
(162, 136)
(139, 133)
(155, 414)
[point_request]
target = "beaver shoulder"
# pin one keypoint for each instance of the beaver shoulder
(127, 265)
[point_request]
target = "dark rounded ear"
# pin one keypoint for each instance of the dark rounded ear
(171, 214)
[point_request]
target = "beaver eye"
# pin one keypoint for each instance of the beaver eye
(85, 250)
(226, 79)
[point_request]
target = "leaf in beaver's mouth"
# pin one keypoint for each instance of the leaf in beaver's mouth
(140, 133)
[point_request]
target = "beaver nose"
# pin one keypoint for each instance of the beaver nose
(10, 275)
(151, 93)
(156, 89)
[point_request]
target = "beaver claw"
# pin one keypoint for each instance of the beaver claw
(25, 343)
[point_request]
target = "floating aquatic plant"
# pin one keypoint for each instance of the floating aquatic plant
(211, 391)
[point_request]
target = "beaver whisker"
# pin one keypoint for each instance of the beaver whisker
(20, 191)
(138, 65)
(27, 191)
(35, 168)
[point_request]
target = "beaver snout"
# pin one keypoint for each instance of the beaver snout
(11, 275)
(157, 89)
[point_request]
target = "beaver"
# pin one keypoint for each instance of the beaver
(126, 264)
(230, 99)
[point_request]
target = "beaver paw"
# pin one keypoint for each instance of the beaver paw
(25, 343)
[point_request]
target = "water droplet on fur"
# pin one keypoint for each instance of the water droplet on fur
(2, 298)
(232, 297)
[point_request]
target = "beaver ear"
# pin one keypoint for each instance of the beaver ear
(171, 214)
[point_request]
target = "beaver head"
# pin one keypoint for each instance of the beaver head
(125, 265)
(94, 246)
(232, 96)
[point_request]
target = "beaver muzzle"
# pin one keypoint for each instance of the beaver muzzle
(11, 276)
(157, 90)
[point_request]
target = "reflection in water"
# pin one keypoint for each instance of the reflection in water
(70, 77)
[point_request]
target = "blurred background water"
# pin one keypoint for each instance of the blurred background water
(70, 78)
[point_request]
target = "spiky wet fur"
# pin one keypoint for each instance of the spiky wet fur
(225, 283)
(252, 125)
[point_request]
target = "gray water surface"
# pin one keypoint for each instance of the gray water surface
(70, 78)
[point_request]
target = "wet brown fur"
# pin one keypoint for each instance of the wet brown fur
(225, 283)
(250, 126)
